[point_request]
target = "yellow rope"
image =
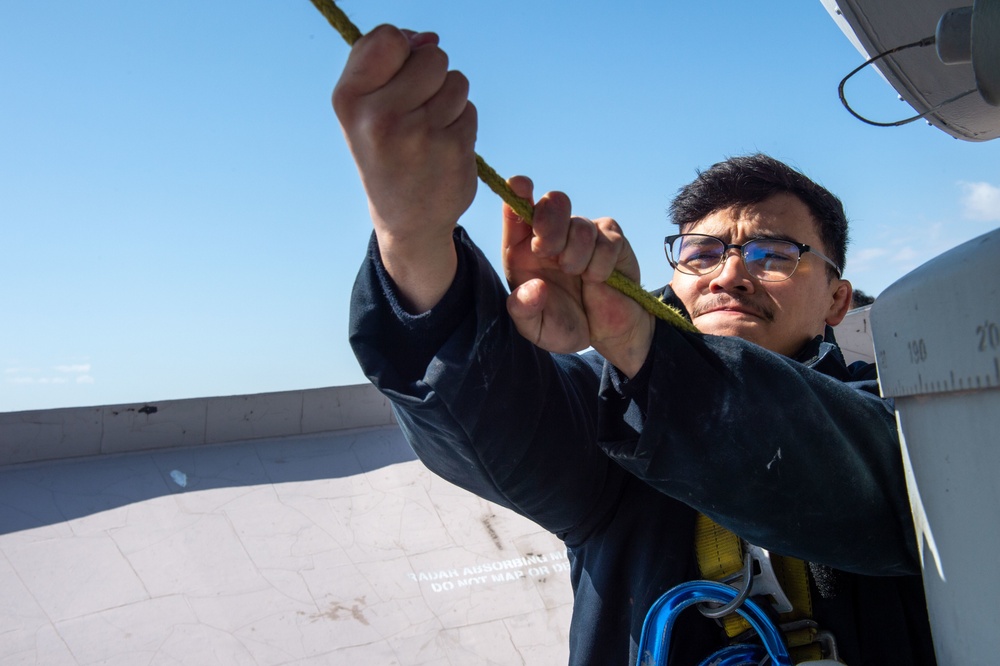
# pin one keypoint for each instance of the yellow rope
(498, 184)
(519, 205)
(338, 20)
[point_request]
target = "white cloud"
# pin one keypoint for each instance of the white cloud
(41, 380)
(981, 201)
(79, 368)
(78, 373)
(869, 254)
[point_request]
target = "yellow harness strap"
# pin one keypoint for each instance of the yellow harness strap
(720, 554)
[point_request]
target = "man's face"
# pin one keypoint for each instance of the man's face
(780, 316)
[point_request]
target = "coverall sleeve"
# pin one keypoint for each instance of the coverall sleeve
(490, 412)
(788, 457)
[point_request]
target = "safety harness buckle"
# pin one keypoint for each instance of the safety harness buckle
(765, 582)
(757, 579)
(773, 582)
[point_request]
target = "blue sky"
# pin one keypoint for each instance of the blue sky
(180, 217)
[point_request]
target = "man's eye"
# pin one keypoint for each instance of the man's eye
(701, 258)
(699, 253)
(772, 253)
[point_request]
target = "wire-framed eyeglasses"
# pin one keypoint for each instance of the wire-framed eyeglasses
(766, 259)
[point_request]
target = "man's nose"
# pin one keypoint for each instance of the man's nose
(733, 274)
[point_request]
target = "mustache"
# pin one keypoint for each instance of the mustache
(719, 301)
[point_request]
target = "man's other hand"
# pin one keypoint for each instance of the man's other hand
(556, 270)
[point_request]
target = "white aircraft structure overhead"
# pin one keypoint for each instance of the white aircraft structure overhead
(953, 80)
(936, 331)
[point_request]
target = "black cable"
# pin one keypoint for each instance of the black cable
(926, 41)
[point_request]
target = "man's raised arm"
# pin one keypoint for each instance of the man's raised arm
(412, 131)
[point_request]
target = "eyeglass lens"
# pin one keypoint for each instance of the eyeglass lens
(765, 259)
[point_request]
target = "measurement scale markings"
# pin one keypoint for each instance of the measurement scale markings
(966, 383)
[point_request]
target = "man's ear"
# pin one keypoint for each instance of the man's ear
(840, 303)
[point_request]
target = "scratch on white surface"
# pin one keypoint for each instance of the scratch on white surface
(487, 522)
(338, 611)
(777, 457)
(179, 477)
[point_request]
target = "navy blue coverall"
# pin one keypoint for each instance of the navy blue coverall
(799, 456)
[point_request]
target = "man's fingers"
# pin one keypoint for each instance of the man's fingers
(450, 101)
(611, 252)
(526, 305)
(418, 39)
(420, 78)
(373, 61)
(547, 319)
(415, 65)
(578, 245)
(522, 187)
(515, 231)
(551, 224)
(581, 242)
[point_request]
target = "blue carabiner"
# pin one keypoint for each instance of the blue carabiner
(737, 655)
(654, 645)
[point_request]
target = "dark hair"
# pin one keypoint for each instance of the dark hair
(750, 179)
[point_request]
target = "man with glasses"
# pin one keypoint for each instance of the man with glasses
(776, 229)
(755, 421)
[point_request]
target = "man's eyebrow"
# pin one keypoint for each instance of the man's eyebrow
(765, 235)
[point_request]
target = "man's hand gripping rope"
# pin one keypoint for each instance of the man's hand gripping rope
(519, 205)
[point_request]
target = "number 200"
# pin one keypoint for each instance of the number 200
(989, 335)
